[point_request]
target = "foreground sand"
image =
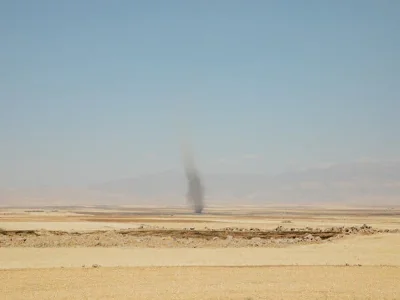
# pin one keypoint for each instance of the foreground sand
(375, 250)
(67, 266)
(357, 267)
(203, 283)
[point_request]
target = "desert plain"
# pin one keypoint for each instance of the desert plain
(289, 252)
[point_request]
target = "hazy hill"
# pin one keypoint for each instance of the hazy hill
(355, 183)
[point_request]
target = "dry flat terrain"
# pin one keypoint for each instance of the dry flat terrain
(240, 253)
(307, 282)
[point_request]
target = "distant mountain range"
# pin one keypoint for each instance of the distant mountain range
(369, 183)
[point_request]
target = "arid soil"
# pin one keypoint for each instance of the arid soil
(237, 253)
(178, 238)
(185, 283)
(364, 250)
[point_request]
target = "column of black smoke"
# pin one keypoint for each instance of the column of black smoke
(195, 189)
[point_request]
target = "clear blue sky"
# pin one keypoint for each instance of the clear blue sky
(95, 90)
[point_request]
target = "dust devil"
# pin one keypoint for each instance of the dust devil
(195, 192)
(195, 189)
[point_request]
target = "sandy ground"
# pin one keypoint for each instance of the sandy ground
(365, 250)
(216, 218)
(352, 267)
(216, 223)
(66, 226)
(203, 283)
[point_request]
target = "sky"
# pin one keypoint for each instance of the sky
(98, 90)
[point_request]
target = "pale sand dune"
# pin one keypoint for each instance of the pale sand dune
(294, 283)
(383, 249)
